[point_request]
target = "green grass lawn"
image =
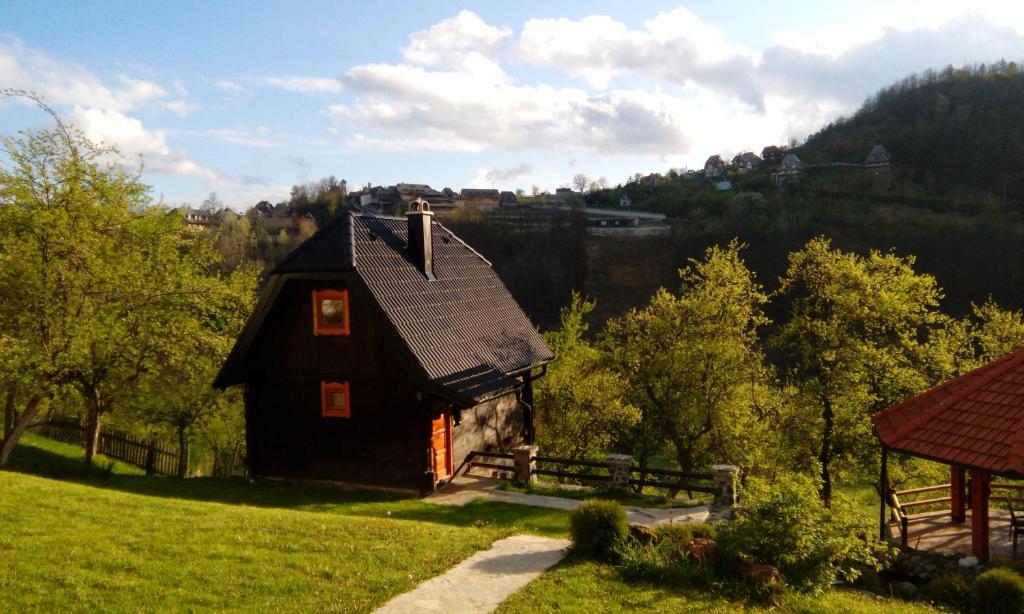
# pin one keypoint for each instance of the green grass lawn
(114, 540)
(118, 541)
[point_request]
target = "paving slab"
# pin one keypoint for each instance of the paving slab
(465, 489)
(484, 580)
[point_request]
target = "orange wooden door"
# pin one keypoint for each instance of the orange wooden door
(440, 445)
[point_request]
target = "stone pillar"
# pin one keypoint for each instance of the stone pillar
(523, 463)
(724, 479)
(619, 466)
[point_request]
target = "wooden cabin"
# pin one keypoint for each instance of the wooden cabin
(381, 352)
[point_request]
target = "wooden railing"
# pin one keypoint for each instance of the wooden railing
(115, 444)
(589, 471)
(901, 507)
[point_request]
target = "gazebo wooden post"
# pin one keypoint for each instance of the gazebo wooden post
(979, 514)
(957, 506)
(883, 492)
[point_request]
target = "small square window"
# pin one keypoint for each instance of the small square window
(330, 312)
(334, 400)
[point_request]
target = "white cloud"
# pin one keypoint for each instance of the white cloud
(181, 108)
(447, 42)
(498, 177)
(258, 137)
(101, 110)
(132, 139)
(61, 82)
(675, 46)
(478, 108)
(306, 85)
(230, 87)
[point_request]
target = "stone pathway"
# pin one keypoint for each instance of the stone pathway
(467, 488)
(484, 580)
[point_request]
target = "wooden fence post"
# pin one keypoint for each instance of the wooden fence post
(151, 456)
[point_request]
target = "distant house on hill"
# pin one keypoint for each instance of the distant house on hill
(383, 350)
(791, 170)
(878, 159)
(507, 199)
(714, 167)
(198, 217)
(563, 195)
(474, 198)
(771, 155)
(747, 161)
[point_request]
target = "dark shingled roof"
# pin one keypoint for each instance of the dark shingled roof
(464, 328)
(974, 420)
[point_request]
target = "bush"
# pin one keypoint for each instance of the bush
(597, 527)
(998, 590)
(785, 525)
(948, 590)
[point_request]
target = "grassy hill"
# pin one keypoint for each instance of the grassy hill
(113, 540)
(118, 541)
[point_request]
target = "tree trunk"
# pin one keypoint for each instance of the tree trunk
(684, 456)
(216, 461)
(825, 456)
(12, 436)
(9, 413)
(92, 433)
(183, 450)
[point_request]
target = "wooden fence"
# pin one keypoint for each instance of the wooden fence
(115, 444)
(589, 471)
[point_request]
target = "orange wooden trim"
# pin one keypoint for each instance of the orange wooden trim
(321, 328)
(326, 409)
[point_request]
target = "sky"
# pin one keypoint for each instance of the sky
(246, 99)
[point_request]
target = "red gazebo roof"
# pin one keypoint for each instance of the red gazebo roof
(975, 420)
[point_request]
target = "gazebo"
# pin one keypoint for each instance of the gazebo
(975, 424)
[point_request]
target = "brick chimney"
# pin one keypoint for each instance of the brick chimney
(421, 251)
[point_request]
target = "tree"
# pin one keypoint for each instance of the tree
(580, 404)
(580, 182)
(96, 281)
(690, 359)
(212, 203)
(856, 342)
(998, 331)
(195, 348)
(535, 190)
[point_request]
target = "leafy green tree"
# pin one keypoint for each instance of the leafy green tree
(580, 400)
(855, 342)
(98, 285)
(690, 360)
(997, 331)
(196, 346)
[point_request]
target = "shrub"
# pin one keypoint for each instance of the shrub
(998, 590)
(785, 525)
(948, 590)
(597, 527)
(662, 562)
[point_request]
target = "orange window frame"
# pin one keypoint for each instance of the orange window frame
(327, 391)
(319, 326)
